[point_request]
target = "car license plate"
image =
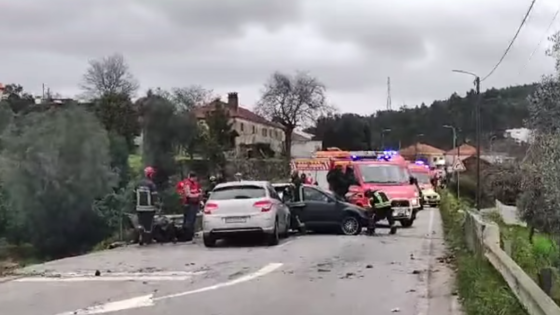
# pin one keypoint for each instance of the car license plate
(236, 220)
(399, 210)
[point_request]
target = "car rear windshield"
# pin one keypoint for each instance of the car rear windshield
(238, 192)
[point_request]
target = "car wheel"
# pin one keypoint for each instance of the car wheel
(407, 223)
(350, 225)
(209, 241)
(274, 238)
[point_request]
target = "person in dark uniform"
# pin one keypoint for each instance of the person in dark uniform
(147, 202)
(296, 181)
(335, 178)
(380, 209)
(296, 223)
(349, 180)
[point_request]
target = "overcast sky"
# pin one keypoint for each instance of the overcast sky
(234, 45)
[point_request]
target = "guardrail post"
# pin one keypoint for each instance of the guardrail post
(546, 279)
(508, 247)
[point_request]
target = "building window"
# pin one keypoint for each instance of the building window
(265, 132)
(241, 127)
(254, 129)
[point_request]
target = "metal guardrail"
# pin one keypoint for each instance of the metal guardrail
(484, 238)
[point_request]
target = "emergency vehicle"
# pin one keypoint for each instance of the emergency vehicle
(424, 175)
(373, 170)
(318, 166)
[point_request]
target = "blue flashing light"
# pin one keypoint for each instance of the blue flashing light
(419, 162)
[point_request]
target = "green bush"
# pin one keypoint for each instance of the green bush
(467, 191)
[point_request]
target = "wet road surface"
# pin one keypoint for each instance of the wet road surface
(311, 274)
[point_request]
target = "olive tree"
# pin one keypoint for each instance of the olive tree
(55, 165)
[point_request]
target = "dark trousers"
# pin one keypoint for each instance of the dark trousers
(189, 219)
(380, 214)
(146, 220)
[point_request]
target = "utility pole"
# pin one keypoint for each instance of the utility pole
(478, 136)
(478, 140)
(389, 106)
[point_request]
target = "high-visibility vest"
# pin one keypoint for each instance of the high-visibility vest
(380, 200)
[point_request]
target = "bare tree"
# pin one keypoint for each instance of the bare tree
(189, 97)
(293, 101)
(109, 75)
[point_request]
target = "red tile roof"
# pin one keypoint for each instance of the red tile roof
(420, 148)
(241, 113)
(463, 150)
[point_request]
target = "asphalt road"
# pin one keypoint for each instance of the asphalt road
(311, 274)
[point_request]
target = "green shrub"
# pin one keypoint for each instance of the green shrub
(481, 288)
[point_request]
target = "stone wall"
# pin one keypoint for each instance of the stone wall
(257, 169)
(260, 169)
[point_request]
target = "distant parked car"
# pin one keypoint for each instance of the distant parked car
(320, 209)
(243, 207)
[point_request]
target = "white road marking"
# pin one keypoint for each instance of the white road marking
(424, 304)
(285, 243)
(116, 276)
(136, 302)
(149, 300)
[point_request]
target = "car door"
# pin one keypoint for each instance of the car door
(320, 209)
(280, 206)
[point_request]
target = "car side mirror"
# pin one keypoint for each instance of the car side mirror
(413, 181)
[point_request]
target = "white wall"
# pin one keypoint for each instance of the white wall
(250, 133)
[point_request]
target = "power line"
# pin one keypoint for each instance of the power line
(512, 41)
(543, 37)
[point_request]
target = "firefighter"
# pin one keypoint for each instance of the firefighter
(147, 201)
(296, 181)
(335, 178)
(380, 209)
(349, 180)
(296, 223)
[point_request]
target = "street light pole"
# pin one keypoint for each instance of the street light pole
(478, 136)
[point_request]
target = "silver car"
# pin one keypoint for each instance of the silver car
(245, 207)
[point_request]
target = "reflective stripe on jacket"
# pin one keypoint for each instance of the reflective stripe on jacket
(379, 200)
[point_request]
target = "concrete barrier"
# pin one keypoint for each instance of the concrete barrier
(483, 237)
(509, 214)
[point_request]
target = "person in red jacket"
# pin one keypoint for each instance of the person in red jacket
(180, 188)
(193, 196)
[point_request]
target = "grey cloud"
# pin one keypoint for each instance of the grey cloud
(98, 27)
(178, 42)
(227, 16)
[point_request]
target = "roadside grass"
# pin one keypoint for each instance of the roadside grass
(542, 252)
(13, 257)
(481, 288)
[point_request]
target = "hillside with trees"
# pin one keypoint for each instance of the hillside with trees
(501, 109)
